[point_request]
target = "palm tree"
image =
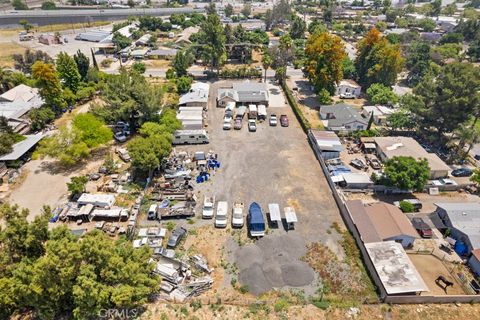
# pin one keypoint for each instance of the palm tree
(266, 63)
(467, 135)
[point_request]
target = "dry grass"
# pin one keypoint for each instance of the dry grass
(158, 63)
(55, 28)
(8, 49)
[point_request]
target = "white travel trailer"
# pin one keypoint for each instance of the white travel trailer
(190, 137)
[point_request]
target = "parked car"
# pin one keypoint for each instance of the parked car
(347, 95)
(422, 227)
(120, 136)
(252, 125)
(227, 123)
(238, 124)
(273, 120)
(358, 164)
(284, 120)
(237, 215)
(375, 163)
(462, 172)
(123, 154)
(176, 236)
(444, 182)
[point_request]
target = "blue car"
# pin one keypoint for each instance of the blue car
(462, 172)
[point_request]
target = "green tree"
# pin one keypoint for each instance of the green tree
(93, 131)
(182, 61)
(49, 84)
(324, 61)
(406, 173)
(24, 62)
(401, 120)
(19, 5)
(49, 5)
(324, 97)
(444, 102)
(68, 71)
(247, 10)
(266, 63)
(83, 63)
(349, 71)
(139, 67)
(428, 25)
(212, 38)
(476, 176)
(418, 61)
(228, 10)
(379, 94)
(378, 61)
(183, 84)
(40, 117)
(121, 41)
(280, 74)
(24, 23)
(297, 30)
(77, 185)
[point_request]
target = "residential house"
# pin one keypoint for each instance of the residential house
(243, 94)
(389, 147)
(342, 117)
(349, 88)
(463, 220)
(197, 96)
(143, 40)
(380, 113)
(16, 103)
(166, 54)
(380, 221)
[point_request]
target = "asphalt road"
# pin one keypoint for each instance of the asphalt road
(46, 17)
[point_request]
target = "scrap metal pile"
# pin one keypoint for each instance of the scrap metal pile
(182, 280)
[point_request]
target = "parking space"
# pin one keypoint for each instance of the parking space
(271, 165)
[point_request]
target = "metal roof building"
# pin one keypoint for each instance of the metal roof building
(22, 147)
(395, 269)
(463, 219)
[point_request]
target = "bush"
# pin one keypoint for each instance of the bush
(296, 109)
(324, 97)
(406, 206)
(281, 305)
(139, 67)
(106, 63)
(241, 72)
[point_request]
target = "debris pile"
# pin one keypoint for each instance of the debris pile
(178, 281)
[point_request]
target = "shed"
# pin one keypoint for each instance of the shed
(357, 180)
(327, 142)
(110, 214)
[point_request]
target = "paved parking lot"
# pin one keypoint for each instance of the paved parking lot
(274, 164)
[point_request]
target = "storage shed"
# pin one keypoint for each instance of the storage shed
(97, 200)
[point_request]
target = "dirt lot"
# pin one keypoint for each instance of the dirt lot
(274, 164)
(430, 268)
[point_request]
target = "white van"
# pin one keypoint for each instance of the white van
(152, 212)
(221, 217)
(190, 137)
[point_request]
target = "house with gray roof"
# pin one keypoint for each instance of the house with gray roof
(244, 93)
(16, 103)
(342, 117)
(463, 219)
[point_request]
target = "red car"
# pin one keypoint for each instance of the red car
(284, 120)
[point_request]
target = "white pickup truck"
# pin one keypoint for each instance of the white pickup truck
(237, 215)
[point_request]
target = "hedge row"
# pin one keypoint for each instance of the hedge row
(296, 109)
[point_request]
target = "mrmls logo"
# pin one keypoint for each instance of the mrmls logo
(118, 314)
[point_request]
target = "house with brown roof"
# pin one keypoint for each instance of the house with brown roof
(380, 221)
(389, 147)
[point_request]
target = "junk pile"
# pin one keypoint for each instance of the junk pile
(178, 281)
